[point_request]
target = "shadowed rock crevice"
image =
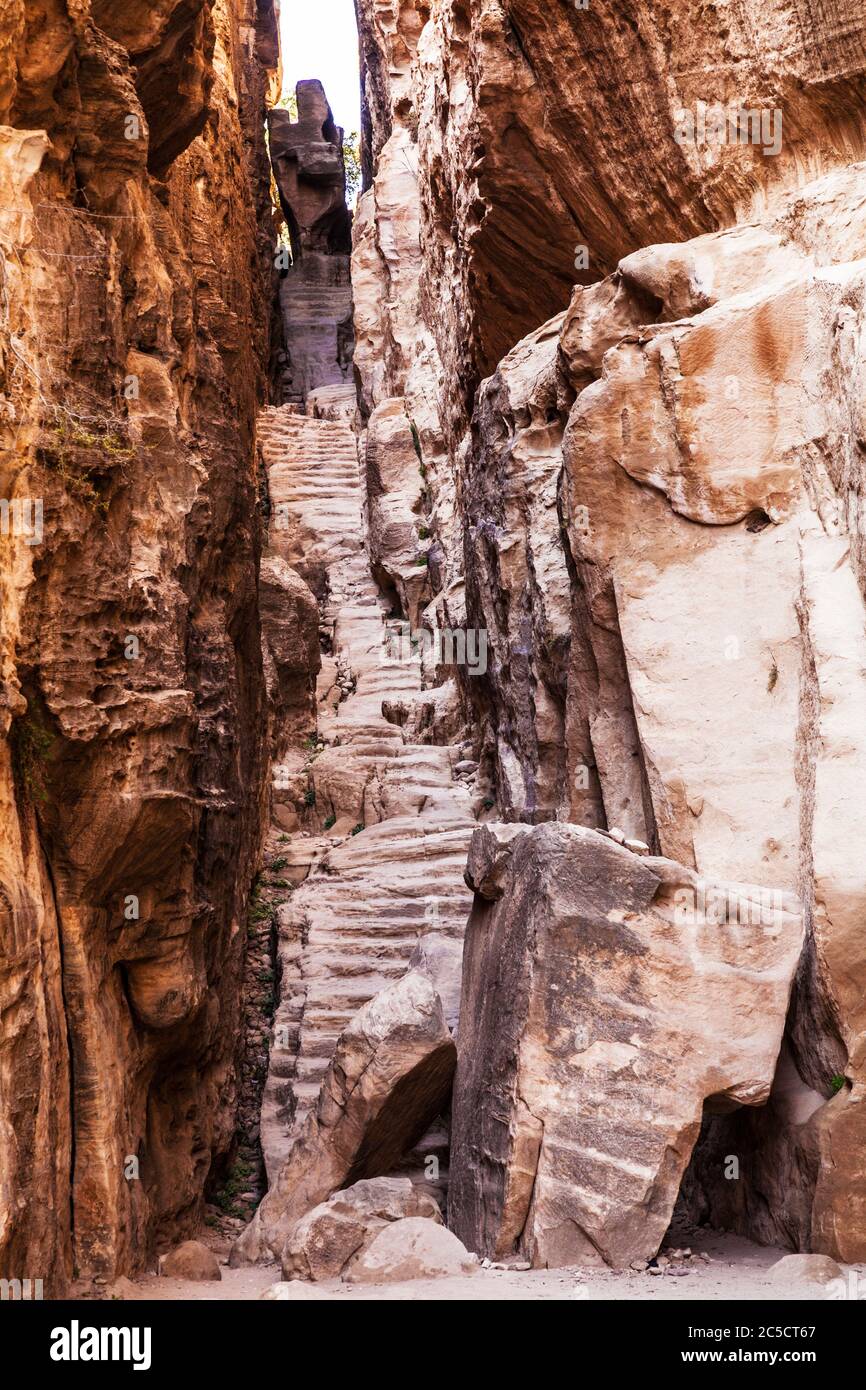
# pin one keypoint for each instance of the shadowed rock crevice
(315, 291)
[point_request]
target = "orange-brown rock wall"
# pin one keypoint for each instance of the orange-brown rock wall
(134, 352)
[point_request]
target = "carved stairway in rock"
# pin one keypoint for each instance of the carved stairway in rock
(389, 871)
(370, 829)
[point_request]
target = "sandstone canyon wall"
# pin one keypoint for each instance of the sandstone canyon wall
(541, 710)
(138, 276)
(647, 489)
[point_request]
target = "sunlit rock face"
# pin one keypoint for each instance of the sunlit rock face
(627, 291)
(543, 129)
(137, 287)
(315, 289)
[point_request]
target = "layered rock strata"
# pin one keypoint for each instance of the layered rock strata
(608, 1000)
(376, 817)
(133, 357)
(573, 542)
(646, 489)
(369, 810)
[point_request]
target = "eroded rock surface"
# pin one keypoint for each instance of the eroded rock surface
(411, 1249)
(315, 289)
(329, 1237)
(137, 280)
(607, 998)
(389, 1078)
(592, 404)
(646, 489)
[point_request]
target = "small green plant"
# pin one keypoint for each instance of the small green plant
(488, 804)
(279, 863)
(416, 440)
(233, 1185)
(836, 1084)
(279, 883)
(83, 454)
(31, 741)
(288, 102)
(357, 830)
(424, 533)
(330, 822)
(352, 162)
(422, 562)
(310, 797)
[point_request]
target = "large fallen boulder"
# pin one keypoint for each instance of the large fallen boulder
(411, 1249)
(813, 1271)
(325, 1240)
(389, 1078)
(192, 1261)
(607, 998)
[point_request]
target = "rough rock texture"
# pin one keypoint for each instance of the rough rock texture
(652, 504)
(373, 816)
(410, 1249)
(293, 1292)
(368, 809)
(191, 1260)
(531, 124)
(605, 1001)
(136, 284)
(816, 1270)
(315, 291)
(644, 493)
(327, 1238)
(389, 1078)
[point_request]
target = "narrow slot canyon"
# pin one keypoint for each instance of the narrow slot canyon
(432, 657)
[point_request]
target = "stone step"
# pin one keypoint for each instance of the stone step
(368, 898)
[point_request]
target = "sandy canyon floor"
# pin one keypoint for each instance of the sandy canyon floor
(739, 1271)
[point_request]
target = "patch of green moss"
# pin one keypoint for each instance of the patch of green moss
(82, 456)
(31, 742)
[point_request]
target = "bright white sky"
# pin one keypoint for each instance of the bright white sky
(320, 39)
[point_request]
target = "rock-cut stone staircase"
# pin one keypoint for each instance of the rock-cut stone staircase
(385, 878)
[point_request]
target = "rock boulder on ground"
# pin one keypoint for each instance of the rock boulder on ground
(606, 999)
(192, 1261)
(290, 1293)
(323, 1241)
(411, 1249)
(388, 1080)
(817, 1270)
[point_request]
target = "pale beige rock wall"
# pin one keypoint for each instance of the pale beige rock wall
(653, 502)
